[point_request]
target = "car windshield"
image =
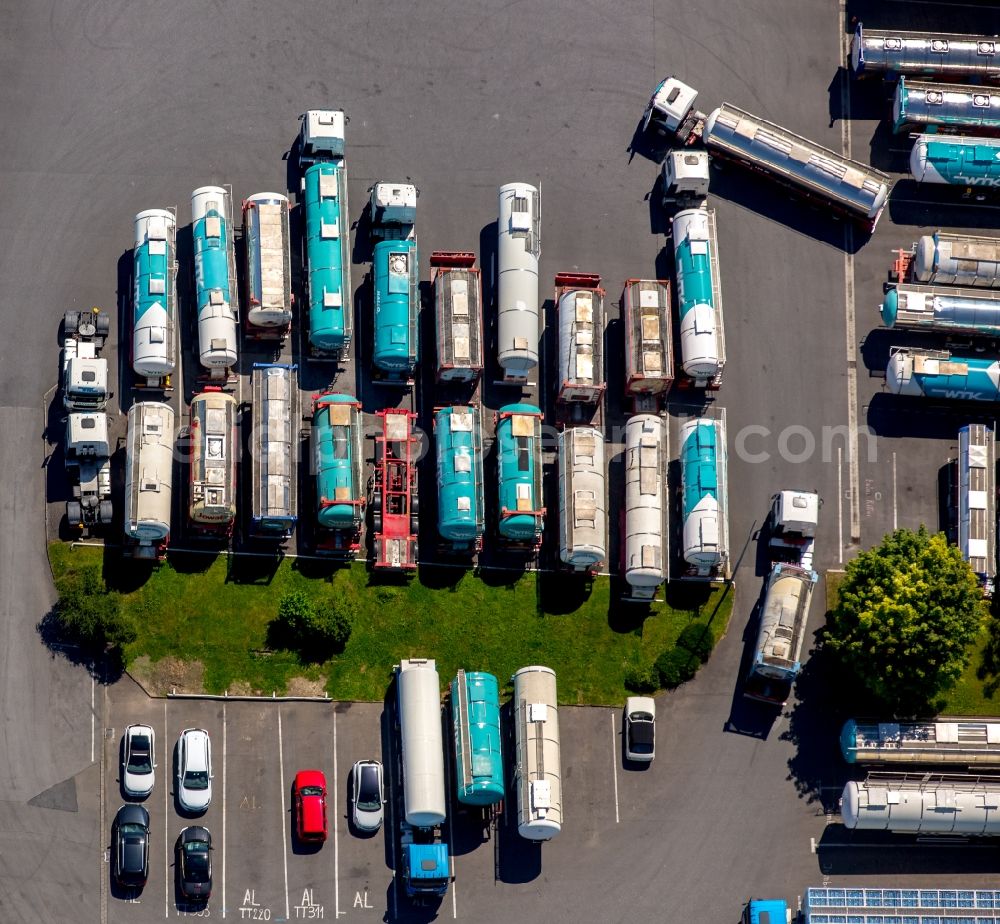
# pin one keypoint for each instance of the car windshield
(196, 779)
(139, 760)
(369, 797)
(196, 861)
(133, 832)
(311, 790)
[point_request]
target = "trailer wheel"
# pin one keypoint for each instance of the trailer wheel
(377, 502)
(414, 504)
(377, 522)
(71, 322)
(414, 524)
(105, 512)
(103, 324)
(74, 513)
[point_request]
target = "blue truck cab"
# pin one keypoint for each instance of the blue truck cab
(766, 911)
(426, 871)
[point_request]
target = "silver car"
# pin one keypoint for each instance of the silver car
(194, 770)
(138, 760)
(369, 795)
(640, 728)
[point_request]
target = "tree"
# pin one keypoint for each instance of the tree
(906, 616)
(92, 615)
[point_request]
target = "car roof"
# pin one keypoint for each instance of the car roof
(312, 813)
(367, 775)
(310, 778)
(641, 733)
(196, 741)
(132, 815)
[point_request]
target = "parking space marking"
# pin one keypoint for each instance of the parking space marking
(224, 808)
(894, 506)
(336, 827)
(166, 813)
(281, 808)
(93, 716)
(840, 504)
(614, 762)
(852, 373)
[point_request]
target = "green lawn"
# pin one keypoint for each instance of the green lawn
(196, 609)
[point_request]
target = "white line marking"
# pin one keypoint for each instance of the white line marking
(281, 804)
(224, 742)
(614, 762)
(166, 814)
(894, 505)
(93, 717)
(336, 826)
(852, 374)
(812, 845)
(840, 504)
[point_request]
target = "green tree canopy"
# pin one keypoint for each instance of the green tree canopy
(906, 616)
(92, 615)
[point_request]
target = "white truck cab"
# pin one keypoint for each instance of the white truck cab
(669, 107)
(321, 137)
(88, 464)
(685, 177)
(794, 518)
(393, 210)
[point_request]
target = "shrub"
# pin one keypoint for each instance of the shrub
(697, 639)
(314, 632)
(642, 678)
(675, 666)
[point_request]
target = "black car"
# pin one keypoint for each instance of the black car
(130, 846)
(194, 862)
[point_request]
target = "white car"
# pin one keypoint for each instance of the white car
(138, 761)
(194, 770)
(369, 795)
(640, 728)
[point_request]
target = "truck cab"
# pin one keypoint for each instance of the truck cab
(794, 518)
(88, 464)
(685, 178)
(321, 137)
(670, 110)
(84, 372)
(766, 911)
(426, 871)
(393, 210)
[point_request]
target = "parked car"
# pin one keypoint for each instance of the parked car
(369, 795)
(640, 728)
(194, 770)
(194, 862)
(309, 793)
(130, 846)
(138, 760)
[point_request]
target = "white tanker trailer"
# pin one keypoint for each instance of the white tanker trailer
(518, 248)
(644, 543)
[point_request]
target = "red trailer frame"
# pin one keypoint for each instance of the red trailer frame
(394, 492)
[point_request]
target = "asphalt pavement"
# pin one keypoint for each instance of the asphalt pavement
(113, 107)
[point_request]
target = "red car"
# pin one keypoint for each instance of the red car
(309, 793)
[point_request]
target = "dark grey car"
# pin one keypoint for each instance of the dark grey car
(194, 862)
(130, 846)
